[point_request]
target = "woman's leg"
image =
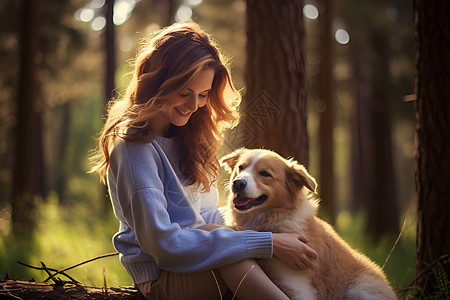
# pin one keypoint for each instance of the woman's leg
(185, 286)
(255, 285)
(246, 277)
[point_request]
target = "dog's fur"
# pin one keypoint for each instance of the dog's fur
(269, 193)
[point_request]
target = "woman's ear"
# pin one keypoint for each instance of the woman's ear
(298, 177)
(229, 161)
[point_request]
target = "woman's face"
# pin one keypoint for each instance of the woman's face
(182, 106)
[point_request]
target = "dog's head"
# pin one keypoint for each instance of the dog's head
(263, 180)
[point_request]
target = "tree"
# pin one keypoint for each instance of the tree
(382, 209)
(325, 93)
(432, 149)
(110, 71)
(275, 99)
(28, 162)
(372, 27)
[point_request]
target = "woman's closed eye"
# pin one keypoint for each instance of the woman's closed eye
(203, 96)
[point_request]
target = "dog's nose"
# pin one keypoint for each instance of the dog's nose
(238, 185)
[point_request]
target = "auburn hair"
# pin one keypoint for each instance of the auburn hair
(166, 62)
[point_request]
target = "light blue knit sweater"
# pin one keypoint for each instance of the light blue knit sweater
(158, 217)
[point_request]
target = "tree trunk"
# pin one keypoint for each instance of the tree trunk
(275, 100)
(325, 92)
(359, 135)
(110, 72)
(382, 210)
(172, 7)
(60, 168)
(28, 167)
(432, 153)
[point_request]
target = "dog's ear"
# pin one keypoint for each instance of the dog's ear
(229, 161)
(298, 177)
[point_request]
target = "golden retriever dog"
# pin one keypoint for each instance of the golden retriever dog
(270, 193)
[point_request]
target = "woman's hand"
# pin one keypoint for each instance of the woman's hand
(291, 249)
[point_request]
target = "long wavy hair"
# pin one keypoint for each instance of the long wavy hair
(166, 63)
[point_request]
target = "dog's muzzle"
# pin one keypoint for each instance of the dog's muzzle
(241, 202)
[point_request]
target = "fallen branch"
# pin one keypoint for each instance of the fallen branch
(73, 289)
(15, 289)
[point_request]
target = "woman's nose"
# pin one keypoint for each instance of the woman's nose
(193, 103)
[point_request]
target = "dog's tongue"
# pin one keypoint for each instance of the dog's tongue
(241, 201)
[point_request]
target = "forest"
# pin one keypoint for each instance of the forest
(357, 91)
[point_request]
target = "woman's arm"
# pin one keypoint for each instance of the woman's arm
(288, 247)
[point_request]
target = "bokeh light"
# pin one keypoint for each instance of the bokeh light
(310, 11)
(86, 15)
(342, 36)
(98, 23)
(122, 11)
(184, 13)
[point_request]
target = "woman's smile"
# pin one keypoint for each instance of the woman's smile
(182, 112)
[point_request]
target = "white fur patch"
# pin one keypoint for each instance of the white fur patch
(369, 287)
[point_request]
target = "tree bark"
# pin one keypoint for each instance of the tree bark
(110, 73)
(13, 289)
(275, 100)
(325, 92)
(28, 167)
(382, 209)
(360, 135)
(432, 149)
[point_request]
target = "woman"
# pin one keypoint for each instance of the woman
(157, 152)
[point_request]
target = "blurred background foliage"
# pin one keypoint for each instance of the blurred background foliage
(72, 224)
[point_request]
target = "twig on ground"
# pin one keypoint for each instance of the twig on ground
(50, 269)
(57, 281)
(81, 263)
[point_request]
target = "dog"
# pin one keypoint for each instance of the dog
(270, 193)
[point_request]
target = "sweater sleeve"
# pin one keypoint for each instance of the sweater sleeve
(153, 205)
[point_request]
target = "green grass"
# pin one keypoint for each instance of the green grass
(63, 237)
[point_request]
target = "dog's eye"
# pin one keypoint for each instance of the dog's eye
(241, 167)
(265, 174)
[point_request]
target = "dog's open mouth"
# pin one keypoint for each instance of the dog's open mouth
(243, 203)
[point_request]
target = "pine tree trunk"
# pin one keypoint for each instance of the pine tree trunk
(275, 100)
(359, 135)
(432, 111)
(382, 210)
(110, 72)
(325, 92)
(28, 167)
